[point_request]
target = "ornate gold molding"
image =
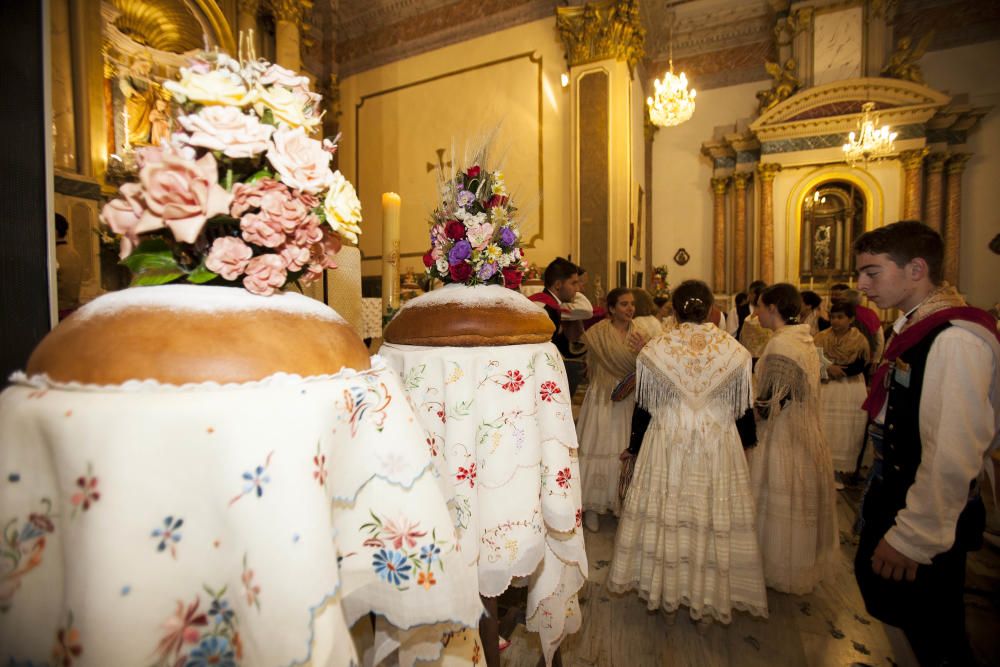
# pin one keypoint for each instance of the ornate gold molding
(914, 159)
(936, 162)
(741, 178)
(956, 162)
(292, 11)
(601, 30)
(768, 170)
(719, 184)
(249, 6)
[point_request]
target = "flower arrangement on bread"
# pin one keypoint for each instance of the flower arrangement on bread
(244, 194)
(475, 238)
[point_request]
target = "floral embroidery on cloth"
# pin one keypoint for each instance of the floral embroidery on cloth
(196, 638)
(398, 558)
(22, 549)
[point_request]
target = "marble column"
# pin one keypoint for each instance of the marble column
(246, 20)
(934, 205)
(740, 229)
(953, 217)
(913, 162)
(767, 172)
(288, 20)
(719, 186)
(64, 139)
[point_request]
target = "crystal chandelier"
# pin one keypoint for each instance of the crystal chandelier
(869, 142)
(671, 103)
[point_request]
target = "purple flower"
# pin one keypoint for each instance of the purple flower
(487, 270)
(461, 251)
(507, 237)
(464, 198)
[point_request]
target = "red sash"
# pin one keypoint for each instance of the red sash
(547, 299)
(868, 319)
(902, 342)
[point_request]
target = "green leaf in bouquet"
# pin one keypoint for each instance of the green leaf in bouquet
(201, 275)
(257, 175)
(155, 277)
(267, 117)
(153, 263)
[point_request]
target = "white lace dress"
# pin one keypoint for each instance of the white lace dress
(687, 534)
(791, 468)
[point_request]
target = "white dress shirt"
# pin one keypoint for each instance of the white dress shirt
(580, 308)
(733, 320)
(959, 426)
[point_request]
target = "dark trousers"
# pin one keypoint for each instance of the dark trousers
(930, 610)
(576, 371)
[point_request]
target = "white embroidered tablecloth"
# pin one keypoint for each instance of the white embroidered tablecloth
(500, 430)
(150, 524)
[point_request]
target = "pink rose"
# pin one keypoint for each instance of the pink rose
(181, 195)
(473, 172)
(228, 257)
(285, 209)
(261, 230)
(300, 161)
(264, 274)
(124, 215)
(248, 195)
(227, 129)
(295, 256)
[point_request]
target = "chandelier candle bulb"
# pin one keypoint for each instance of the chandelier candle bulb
(390, 250)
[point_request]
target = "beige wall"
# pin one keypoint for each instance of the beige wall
(682, 194)
(972, 70)
(409, 109)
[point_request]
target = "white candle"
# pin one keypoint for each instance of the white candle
(127, 145)
(390, 250)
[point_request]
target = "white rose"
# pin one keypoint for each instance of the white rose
(343, 208)
(289, 108)
(442, 266)
(227, 129)
(214, 87)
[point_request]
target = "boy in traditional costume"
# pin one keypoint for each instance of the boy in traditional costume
(791, 470)
(686, 534)
(935, 410)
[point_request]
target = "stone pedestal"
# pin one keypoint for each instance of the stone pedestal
(953, 217)
(913, 163)
(767, 173)
(719, 186)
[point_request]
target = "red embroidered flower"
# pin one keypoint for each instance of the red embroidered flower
(512, 278)
(467, 473)
(454, 230)
(431, 445)
(319, 474)
(87, 494)
(67, 646)
(548, 390)
(563, 477)
(402, 531)
(514, 381)
(579, 517)
(460, 272)
(441, 415)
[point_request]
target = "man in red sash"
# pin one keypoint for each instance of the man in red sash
(562, 282)
(935, 414)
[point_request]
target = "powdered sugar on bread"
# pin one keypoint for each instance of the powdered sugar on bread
(479, 296)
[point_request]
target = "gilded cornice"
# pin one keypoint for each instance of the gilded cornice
(913, 159)
(720, 184)
(292, 11)
(956, 162)
(741, 178)
(602, 30)
(936, 161)
(768, 170)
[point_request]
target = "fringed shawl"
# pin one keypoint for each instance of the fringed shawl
(788, 369)
(843, 349)
(609, 349)
(695, 364)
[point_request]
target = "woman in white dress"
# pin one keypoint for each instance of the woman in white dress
(840, 396)
(687, 534)
(791, 468)
(603, 426)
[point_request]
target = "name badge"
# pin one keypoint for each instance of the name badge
(901, 373)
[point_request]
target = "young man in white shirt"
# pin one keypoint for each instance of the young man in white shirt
(935, 411)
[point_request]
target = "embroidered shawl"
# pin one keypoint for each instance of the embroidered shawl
(607, 348)
(843, 349)
(753, 336)
(788, 368)
(694, 364)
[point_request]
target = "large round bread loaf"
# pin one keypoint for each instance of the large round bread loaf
(179, 334)
(463, 316)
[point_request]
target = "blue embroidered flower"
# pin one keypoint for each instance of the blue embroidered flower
(256, 481)
(212, 652)
(430, 553)
(168, 534)
(391, 566)
(220, 611)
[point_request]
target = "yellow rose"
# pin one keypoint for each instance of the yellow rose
(288, 107)
(343, 208)
(215, 87)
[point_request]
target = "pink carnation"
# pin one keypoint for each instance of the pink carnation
(300, 161)
(182, 195)
(261, 230)
(248, 195)
(295, 256)
(227, 129)
(313, 272)
(309, 233)
(265, 274)
(285, 209)
(228, 257)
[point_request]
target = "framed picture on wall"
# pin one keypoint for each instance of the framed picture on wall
(636, 235)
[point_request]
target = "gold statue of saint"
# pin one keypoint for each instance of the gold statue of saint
(784, 85)
(140, 99)
(903, 62)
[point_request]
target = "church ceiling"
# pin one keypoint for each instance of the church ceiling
(167, 25)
